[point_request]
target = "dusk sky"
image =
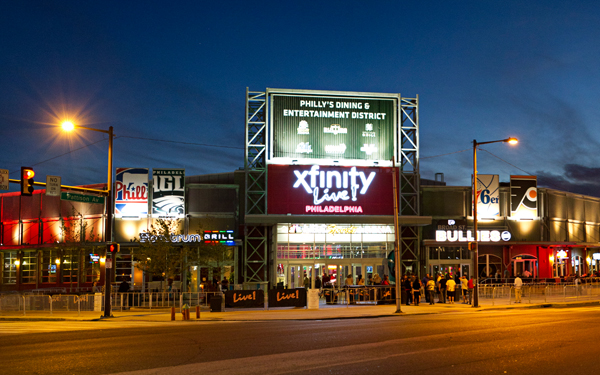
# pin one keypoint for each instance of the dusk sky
(178, 72)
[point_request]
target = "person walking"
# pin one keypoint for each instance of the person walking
(431, 290)
(416, 289)
(424, 281)
(451, 289)
(518, 286)
(464, 286)
(408, 290)
(443, 282)
(471, 286)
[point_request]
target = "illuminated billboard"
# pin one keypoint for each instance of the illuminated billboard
(330, 190)
(131, 193)
(488, 196)
(336, 129)
(523, 197)
(168, 193)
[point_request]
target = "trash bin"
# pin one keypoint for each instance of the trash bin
(216, 304)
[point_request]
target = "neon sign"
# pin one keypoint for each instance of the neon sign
(350, 183)
(339, 229)
(466, 236)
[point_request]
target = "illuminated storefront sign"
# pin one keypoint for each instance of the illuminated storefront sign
(348, 129)
(131, 193)
(596, 256)
(94, 258)
(523, 197)
(339, 229)
(466, 236)
(562, 255)
(306, 189)
(215, 236)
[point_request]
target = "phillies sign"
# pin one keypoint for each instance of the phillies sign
(317, 189)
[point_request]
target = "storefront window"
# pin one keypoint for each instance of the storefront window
(49, 263)
(9, 275)
(29, 267)
(91, 266)
(69, 269)
(123, 264)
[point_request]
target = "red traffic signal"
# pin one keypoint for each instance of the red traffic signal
(472, 246)
(27, 181)
(112, 248)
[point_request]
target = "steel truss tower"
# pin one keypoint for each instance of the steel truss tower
(409, 182)
(255, 257)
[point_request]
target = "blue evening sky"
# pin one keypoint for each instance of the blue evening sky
(178, 71)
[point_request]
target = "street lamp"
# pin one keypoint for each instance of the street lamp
(511, 141)
(69, 126)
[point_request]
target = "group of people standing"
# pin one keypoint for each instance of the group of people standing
(325, 282)
(445, 287)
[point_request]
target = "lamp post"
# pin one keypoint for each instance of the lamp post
(69, 126)
(511, 141)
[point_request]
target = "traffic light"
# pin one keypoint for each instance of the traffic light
(113, 248)
(472, 246)
(27, 181)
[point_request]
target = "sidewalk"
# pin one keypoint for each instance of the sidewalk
(324, 312)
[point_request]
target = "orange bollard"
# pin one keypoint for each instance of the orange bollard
(172, 313)
(197, 312)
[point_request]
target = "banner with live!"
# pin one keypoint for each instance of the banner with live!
(244, 298)
(287, 297)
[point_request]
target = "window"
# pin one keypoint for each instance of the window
(9, 276)
(49, 263)
(29, 267)
(91, 266)
(69, 268)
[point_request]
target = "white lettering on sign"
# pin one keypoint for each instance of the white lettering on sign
(335, 129)
(335, 149)
(304, 148)
(368, 148)
(466, 236)
(349, 184)
(339, 229)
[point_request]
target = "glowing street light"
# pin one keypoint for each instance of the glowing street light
(511, 141)
(69, 126)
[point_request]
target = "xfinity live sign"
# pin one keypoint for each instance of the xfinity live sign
(327, 129)
(334, 186)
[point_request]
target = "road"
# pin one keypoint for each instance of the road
(536, 341)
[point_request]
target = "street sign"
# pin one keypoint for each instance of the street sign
(53, 186)
(81, 198)
(108, 263)
(3, 179)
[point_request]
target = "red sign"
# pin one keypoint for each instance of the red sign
(330, 190)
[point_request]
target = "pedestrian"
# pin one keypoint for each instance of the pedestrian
(360, 280)
(349, 280)
(386, 280)
(326, 280)
(506, 274)
(376, 279)
(317, 282)
(464, 286)
(124, 287)
(408, 290)
(443, 282)
(424, 281)
(451, 289)
(225, 284)
(431, 290)
(370, 280)
(416, 290)
(471, 286)
(518, 286)
(306, 282)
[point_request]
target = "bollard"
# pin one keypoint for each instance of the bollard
(185, 311)
(172, 313)
(197, 312)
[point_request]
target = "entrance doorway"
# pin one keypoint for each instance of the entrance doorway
(291, 274)
(524, 266)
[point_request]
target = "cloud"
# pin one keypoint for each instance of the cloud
(577, 179)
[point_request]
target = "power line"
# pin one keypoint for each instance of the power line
(512, 165)
(450, 153)
(183, 143)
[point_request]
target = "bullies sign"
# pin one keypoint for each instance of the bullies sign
(317, 189)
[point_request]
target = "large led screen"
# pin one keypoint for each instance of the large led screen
(330, 190)
(321, 129)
